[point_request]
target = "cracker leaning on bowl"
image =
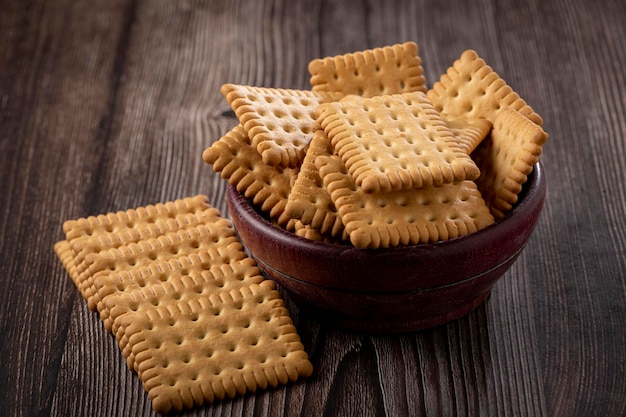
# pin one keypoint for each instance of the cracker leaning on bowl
(506, 159)
(471, 88)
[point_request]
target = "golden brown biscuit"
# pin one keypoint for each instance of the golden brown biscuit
(391, 69)
(93, 234)
(237, 161)
(175, 297)
(279, 122)
(308, 200)
(218, 238)
(471, 89)
(393, 143)
(164, 283)
(388, 219)
(506, 158)
(215, 347)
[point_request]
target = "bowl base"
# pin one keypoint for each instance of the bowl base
(386, 325)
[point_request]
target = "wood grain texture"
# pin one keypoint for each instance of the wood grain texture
(108, 105)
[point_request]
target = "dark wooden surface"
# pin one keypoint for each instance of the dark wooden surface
(108, 105)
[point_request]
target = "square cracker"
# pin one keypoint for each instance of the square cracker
(309, 200)
(218, 238)
(106, 224)
(472, 89)
(235, 158)
(396, 142)
(94, 234)
(387, 219)
(506, 158)
(391, 69)
(215, 347)
(199, 270)
(279, 122)
(164, 283)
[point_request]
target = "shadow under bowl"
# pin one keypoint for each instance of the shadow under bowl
(391, 290)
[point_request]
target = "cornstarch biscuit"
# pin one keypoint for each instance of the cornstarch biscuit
(174, 285)
(471, 89)
(105, 224)
(470, 132)
(177, 287)
(506, 158)
(279, 122)
(216, 347)
(217, 238)
(388, 219)
(94, 234)
(122, 282)
(388, 70)
(195, 268)
(138, 230)
(237, 160)
(396, 142)
(308, 200)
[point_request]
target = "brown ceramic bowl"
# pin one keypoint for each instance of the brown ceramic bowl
(390, 290)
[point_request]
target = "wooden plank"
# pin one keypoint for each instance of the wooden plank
(57, 84)
(572, 248)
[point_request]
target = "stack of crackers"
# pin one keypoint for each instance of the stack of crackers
(372, 157)
(192, 314)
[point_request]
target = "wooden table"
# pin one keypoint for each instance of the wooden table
(106, 106)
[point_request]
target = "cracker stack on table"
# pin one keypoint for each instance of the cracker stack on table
(191, 312)
(375, 158)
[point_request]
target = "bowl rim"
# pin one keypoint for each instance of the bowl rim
(534, 185)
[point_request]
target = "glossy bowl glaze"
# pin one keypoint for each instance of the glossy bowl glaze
(390, 290)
